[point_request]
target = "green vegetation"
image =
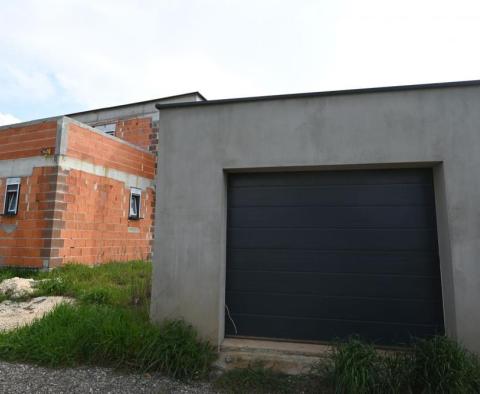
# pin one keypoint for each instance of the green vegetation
(110, 336)
(440, 365)
(257, 379)
(6, 273)
(117, 284)
(395, 373)
(354, 367)
(108, 325)
(437, 365)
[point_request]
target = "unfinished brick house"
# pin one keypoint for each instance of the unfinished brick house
(80, 188)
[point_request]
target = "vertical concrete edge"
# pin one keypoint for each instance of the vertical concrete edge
(62, 136)
(445, 253)
(223, 263)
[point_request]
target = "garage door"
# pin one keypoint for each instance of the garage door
(317, 256)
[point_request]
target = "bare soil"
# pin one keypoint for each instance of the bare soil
(15, 314)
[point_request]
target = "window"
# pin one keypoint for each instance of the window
(135, 197)
(11, 196)
(107, 128)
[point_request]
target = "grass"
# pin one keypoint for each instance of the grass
(395, 372)
(440, 365)
(108, 326)
(257, 379)
(7, 273)
(354, 367)
(109, 336)
(116, 284)
(437, 365)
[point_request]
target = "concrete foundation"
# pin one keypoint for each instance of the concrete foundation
(287, 357)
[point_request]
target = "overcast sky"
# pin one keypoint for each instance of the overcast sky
(63, 56)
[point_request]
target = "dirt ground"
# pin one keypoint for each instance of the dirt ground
(15, 314)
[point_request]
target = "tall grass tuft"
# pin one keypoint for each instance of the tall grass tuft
(354, 367)
(440, 365)
(109, 336)
(435, 365)
(395, 373)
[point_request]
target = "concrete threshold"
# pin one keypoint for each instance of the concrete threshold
(287, 357)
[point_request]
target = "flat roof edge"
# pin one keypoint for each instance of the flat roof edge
(113, 107)
(398, 88)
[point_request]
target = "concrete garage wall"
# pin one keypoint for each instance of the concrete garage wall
(437, 126)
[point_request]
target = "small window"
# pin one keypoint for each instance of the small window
(107, 128)
(12, 192)
(135, 198)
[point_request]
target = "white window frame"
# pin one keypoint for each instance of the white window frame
(135, 195)
(14, 185)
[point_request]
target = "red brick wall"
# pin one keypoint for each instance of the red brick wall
(136, 131)
(95, 218)
(99, 149)
(96, 228)
(29, 243)
(71, 215)
(26, 141)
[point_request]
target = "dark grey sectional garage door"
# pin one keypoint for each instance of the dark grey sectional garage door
(316, 256)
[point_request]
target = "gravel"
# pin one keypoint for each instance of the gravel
(21, 378)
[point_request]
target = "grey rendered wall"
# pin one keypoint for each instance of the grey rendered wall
(439, 128)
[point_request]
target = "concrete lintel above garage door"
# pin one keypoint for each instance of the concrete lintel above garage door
(197, 145)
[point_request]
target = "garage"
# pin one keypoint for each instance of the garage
(317, 256)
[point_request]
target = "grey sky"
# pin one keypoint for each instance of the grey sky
(65, 56)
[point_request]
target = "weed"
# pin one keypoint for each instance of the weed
(440, 365)
(109, 336)
(108, 326)
(54, 286)
(435, 365)
(97, 295)
(175, 349)
(256, 378)
(7, 273)
(395, 373)
(116, 284)
(140, 289)
(354, 367)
